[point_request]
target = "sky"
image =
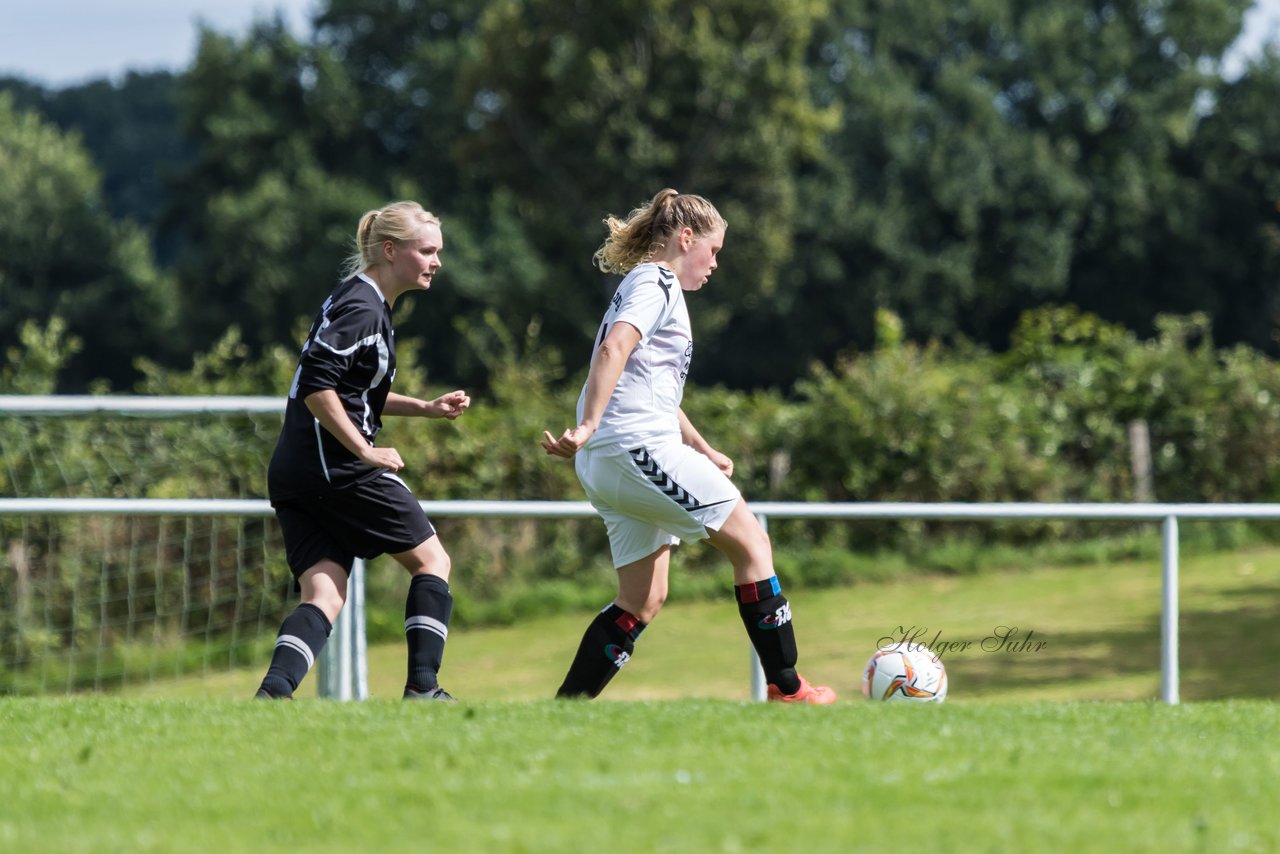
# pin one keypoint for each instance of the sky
(64, 42)
(60, 43)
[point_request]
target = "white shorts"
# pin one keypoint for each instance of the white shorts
(654, 496)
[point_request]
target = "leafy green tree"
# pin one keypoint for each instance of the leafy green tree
(64, 255)
(589, 108)
(403, 62)
(1124, 85)
(1232, 244)
(131, 130)
(418, 123)
(954, 162)
(42, 352)
(927, 201)
(295, 141)
(266, 223)
(995, 156)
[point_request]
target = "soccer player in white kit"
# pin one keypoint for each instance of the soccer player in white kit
(653, 478)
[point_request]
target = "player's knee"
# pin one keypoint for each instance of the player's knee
(329, 601)
(756, 549)
(429, 559)
(442, 564)
(765, 549)
(649, 608)
(437, 563)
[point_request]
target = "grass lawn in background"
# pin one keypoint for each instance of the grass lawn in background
(1082, 633)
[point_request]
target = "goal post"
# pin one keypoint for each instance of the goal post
(138, 546)
(114, 573)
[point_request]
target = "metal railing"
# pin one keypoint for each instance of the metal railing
(347, 677)
(351, 685)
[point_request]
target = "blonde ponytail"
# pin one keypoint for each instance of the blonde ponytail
(645, 231)
(397, 221)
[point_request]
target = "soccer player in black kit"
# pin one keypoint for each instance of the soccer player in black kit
(337, 494)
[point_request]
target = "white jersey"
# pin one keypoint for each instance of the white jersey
(646, 401)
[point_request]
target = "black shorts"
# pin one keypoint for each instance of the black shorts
(379, 516)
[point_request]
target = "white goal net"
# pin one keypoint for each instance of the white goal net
(94, 599)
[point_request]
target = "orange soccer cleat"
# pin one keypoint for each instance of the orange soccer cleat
(819, 695)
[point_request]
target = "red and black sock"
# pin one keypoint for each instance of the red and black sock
(427, 610)
(302, 636)
(766, 613)
(606, 645)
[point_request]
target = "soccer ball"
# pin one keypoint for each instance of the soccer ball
(907, 672)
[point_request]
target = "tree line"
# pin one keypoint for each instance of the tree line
(954, 163)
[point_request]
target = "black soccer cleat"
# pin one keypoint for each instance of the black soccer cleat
(264, 694)
(436, 693)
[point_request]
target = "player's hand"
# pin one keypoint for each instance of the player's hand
(569, 443)
(722, 461)
(451, 405)
(383, 458)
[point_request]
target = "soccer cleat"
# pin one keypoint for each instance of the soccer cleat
(818, 695)
(264, 694)
(436, 693)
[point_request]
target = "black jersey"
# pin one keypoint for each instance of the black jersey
(350, 349)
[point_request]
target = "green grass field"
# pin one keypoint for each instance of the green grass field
(109, 774)
(1056, 748)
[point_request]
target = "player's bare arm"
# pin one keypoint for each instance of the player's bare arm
(691, 437)
(327, 408)
(606, 367)
(449, 405)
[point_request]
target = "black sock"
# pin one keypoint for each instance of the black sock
(606, 645)
(767, 617)
(302, 636)
(427, 609)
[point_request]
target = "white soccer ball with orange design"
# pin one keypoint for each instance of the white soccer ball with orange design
(905, 672)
